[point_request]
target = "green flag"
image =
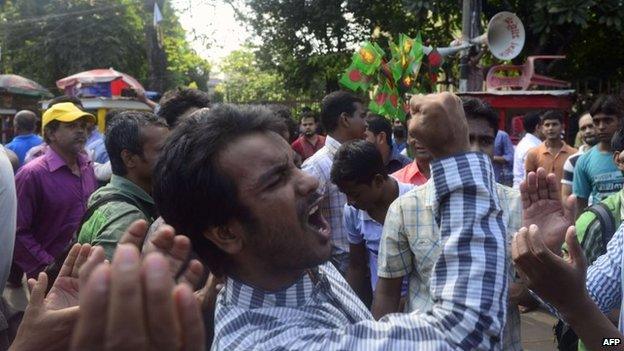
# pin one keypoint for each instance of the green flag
(368, 58)
(353, 79)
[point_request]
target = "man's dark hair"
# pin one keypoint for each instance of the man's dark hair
(357, 161)
(283, 112)
(191, 190)
(552, 114)
(124, 133)
(66, 98)
(378, 124)
(617, 141)
(333, 105)
(476, 108)
(175, 103)
(530, 121)
(25, 121)
(608, 105)
(307, 113)
(399, 132)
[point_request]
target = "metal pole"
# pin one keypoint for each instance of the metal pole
(464, 69)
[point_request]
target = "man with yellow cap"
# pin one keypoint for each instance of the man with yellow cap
(52, 191)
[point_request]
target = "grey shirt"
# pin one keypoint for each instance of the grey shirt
(8, 217)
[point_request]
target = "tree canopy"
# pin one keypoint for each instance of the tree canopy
(310, 42)
(46, 40)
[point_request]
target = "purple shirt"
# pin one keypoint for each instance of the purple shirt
(51, 201)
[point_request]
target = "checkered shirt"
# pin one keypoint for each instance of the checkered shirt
(321, 312)
(319, 165)
(411, 245)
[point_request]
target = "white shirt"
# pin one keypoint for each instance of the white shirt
(528, 142)
(8, 217)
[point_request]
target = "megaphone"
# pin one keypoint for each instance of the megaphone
(504, 38)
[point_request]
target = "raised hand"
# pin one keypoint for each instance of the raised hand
(176, 248)
(64, 291)
(440, 124)
(45, 326)
(559, 281)
(133, 305)
(541, 205)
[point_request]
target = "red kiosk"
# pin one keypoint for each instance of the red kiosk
(513, 104)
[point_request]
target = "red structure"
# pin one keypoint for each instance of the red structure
(512, 105)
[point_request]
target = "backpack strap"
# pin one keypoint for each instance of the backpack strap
(607, 222)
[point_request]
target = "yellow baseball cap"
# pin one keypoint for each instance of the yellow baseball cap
(64, 112)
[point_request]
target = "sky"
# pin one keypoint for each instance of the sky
(214, 19)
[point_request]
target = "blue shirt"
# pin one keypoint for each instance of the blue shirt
(362, 228)
(596, 175)
(22, 143)
(95, 144)
(504, 147)
(319, 311)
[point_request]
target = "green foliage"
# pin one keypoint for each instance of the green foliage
(245, 82)
(310, 42)
(40, 41)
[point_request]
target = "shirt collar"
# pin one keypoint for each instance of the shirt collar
(248, 297)
(332, 144)
(129, 187)
(533, 138)
(429, 193)
(55, 161)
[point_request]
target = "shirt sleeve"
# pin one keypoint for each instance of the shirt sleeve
(350, 220)
(518, 167)
(604, 277)
(581, 183)
(29, 255)
(395, 256)
(568, 172)
(508, 149)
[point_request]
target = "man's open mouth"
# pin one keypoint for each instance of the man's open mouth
(316, 221)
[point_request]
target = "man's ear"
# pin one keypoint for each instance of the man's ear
(129, 159)
(380, 138)
(619, 163)
(228, 238)
(378, 180)
(343, 120)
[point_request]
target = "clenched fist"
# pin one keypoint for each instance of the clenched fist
(440, 124)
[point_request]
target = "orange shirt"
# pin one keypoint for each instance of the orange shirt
(540, 157)
(410, 174)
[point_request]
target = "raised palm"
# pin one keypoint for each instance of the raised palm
(65, 290)
(541, 205)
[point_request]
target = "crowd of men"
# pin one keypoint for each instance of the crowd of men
(230, 227)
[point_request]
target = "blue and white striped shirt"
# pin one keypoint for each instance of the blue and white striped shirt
(321, 312)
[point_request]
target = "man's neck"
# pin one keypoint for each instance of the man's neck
(553, 143)
(269, 279)
(390, 193)
(311, 139)
(340, 136)
(604, 147)
(143, 184)
(71, 160)
(386, 154)
(423, 167)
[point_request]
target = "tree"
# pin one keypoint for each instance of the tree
(245, 82)
(46, 40)
(310, 42)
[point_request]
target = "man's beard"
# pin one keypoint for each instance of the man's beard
(309, 133)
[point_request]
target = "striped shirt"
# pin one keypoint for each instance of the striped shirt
(321, 312)
(411, 244)
(319, 166)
